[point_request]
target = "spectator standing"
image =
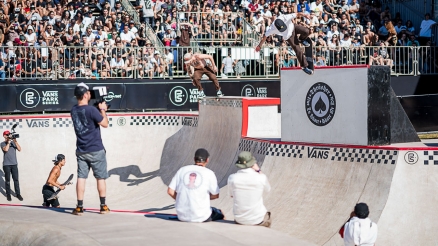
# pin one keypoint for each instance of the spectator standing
(2, 70)
(10, 164)
(90, 152)
(227, 66)
(425, 29)
(359, 229)
(192, 187)
(169, 60)
(246, 187)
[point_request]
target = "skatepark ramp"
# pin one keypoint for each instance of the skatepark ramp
(315, 185)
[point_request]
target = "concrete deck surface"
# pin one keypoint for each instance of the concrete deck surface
(40, 226)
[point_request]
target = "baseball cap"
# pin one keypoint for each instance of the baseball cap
(361, 210)
(245, 160)
(81, 89)
(6, 133)
(131, 22)
(280, 25)
(201, 155)
(58, 158)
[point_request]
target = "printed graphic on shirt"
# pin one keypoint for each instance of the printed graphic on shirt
(80, 121)
(192, 180)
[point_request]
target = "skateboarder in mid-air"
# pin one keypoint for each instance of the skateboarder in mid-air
(282, 25)
(200, 67)
(52, 181)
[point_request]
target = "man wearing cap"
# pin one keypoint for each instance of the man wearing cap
(200, 67)
(246, 187)
(192, 187)
(90, 152)
(283, 26)
(359, 229)
(10, 164)
(52, 181)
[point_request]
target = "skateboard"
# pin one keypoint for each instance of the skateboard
(68, 182)
(308, 52)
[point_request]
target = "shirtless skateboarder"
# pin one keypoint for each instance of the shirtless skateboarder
(200, 67)
(52, 181)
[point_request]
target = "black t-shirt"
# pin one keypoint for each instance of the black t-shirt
(234, 8)
(86, 121)
(44, 64)
(59, 28)
(28, 66)
(21, 18)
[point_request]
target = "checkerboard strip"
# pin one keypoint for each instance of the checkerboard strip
(365, 155)
(62, 122)
(6, 124)
(430, 157)
(285, 150)
(256, 147)
(190, 121)
(222, 102)
(155, 120)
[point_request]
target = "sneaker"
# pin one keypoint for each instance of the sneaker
(9, 197)
(219, 93)
(78, 211)
(201, 94)
(305, 43)
(19, 197)
(104, 209)
(307, 70)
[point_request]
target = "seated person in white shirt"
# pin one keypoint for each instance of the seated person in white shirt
(359, 229)
(192, 187)
(246, 187)
(126, 36)
(117, 65)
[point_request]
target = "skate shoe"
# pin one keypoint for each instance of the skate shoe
(201, 94)
(305, 43)
(19, 197)
(78, 211)
(9, 197)
(307, 70)
(104, 209)
(219, 93)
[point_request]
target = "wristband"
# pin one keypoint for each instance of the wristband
(259, 170)
(102, 109)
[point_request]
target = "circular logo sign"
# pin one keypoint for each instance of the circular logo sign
(411, 157)
(121, 121)
(29, 98)
(248, 91)
(320, 104)
(178, 96)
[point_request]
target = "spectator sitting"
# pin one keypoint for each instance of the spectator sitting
(399, 27)
(359, 229)
(413, 42)
(59, 27)
(126, 36)
(169, 36)
(117, 65)
(30, 36)
(132, 27)
(44, 68)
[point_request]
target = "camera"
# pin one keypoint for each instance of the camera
(98, 93)
(13, 134)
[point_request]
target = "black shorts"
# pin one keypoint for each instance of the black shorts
(47, 193)
(216, 214)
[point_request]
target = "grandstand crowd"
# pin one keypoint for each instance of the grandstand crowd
(100, 39)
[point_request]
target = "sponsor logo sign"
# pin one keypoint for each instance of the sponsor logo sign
(30, 98)
(251, 91)
(178, 96)
(318, 152)
(110, 96)
(411, 157)
(121, 121)
(50, 98)
(320, 104)
(38, 123)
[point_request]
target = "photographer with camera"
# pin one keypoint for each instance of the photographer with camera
(90, 152)
(10, 163)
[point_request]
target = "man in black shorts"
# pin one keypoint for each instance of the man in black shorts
(52, 181)
(90, 152)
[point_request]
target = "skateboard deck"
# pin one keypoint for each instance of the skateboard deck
(308, 52)
(55, 195)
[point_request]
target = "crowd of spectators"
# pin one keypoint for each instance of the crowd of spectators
(99, 39)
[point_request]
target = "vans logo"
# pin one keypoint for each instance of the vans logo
(317, 152)
(38, 123)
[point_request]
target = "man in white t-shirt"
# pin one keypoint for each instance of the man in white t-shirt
(359, 229)
(246, 187)
(227, 66)
(126, 36)
(193, 187)
(425, 29)
(283, 26)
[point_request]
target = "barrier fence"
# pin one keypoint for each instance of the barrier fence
(101, 62)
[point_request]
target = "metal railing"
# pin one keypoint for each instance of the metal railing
(59, 63)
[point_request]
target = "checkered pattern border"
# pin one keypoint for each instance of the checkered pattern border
(430, 157)
(222, 102)
(6, 124)
(256, 147)
(160, 120)
(62, 122)
(378, 156)
(286, 150)
(245, 145)
(190, 121)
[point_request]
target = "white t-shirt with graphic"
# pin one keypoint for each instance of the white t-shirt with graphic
(287, 19)
(193, 185)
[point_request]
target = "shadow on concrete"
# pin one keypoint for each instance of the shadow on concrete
(171, 206)
(175, 218)
(125, 172)
(3, 185)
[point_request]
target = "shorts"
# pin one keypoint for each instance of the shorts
(94, 160)
(216, 214)
(47, 193)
